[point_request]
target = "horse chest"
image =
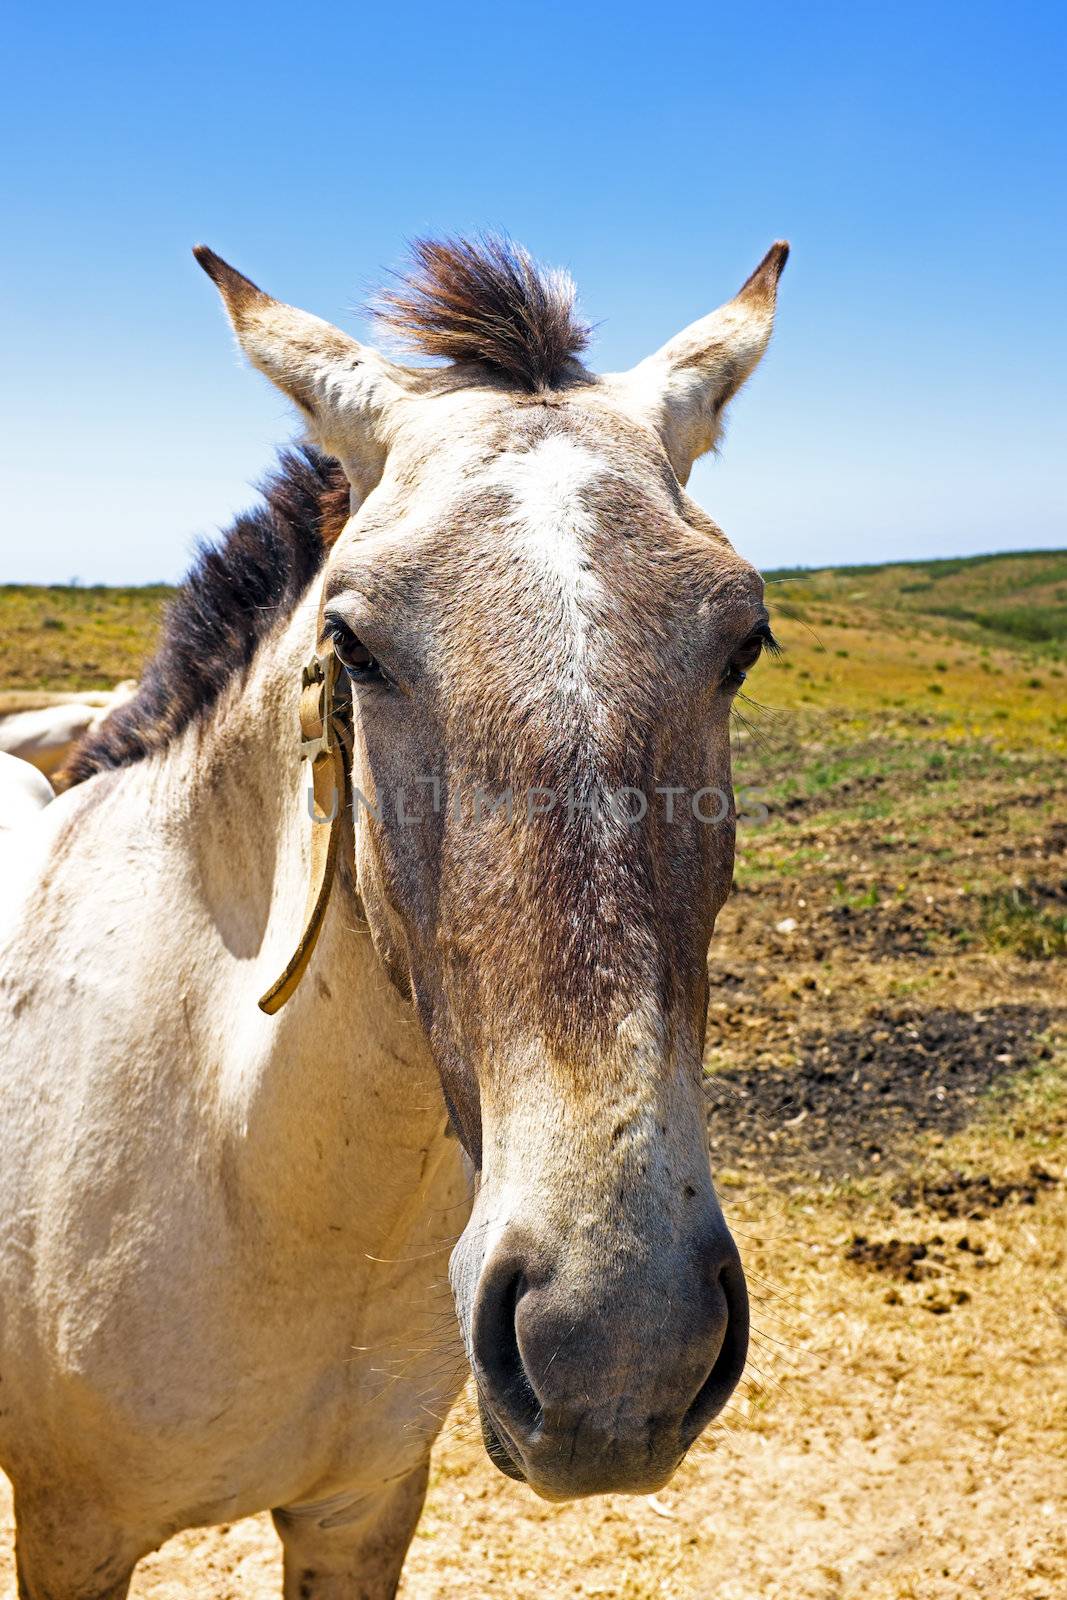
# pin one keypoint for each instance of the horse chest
(357, 1356)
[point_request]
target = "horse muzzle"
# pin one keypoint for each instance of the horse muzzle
(599, 1383)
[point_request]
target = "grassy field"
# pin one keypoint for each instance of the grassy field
(952, 627)
(887, 1099)
(63, 638)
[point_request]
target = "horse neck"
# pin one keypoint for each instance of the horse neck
(341, 1075)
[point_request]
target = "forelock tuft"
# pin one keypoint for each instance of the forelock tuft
(487, 301)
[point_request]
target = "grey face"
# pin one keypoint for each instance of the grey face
(553, 657)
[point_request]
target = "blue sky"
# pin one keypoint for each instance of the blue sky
(911, 403)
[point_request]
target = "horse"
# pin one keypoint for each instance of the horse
(23, 790)
(369, 938)
(46, 735)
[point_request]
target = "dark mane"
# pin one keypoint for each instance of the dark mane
(235, 593)
(489, 303)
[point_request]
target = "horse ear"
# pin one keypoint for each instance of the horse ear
(683, 389)
(343, 388)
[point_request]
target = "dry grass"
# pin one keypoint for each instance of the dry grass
(881, 1448)
(60, 638)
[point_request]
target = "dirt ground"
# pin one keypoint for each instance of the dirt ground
(900, 1434)
(887, 1101)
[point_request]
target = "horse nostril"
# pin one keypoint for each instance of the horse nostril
(729, 1363)
(496, 1345)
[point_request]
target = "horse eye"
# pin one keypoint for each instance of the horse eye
(352, 653)
(747, 654)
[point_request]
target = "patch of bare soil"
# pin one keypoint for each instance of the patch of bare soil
(903, 1258)
(961, 1196)
(860, 1095)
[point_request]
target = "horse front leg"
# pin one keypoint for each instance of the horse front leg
(351, 1547)
(67, 1548)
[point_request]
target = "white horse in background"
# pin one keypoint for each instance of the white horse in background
(45, 735)
(491, 612)
(23, 791)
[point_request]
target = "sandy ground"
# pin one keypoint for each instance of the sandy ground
(900, 1435)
